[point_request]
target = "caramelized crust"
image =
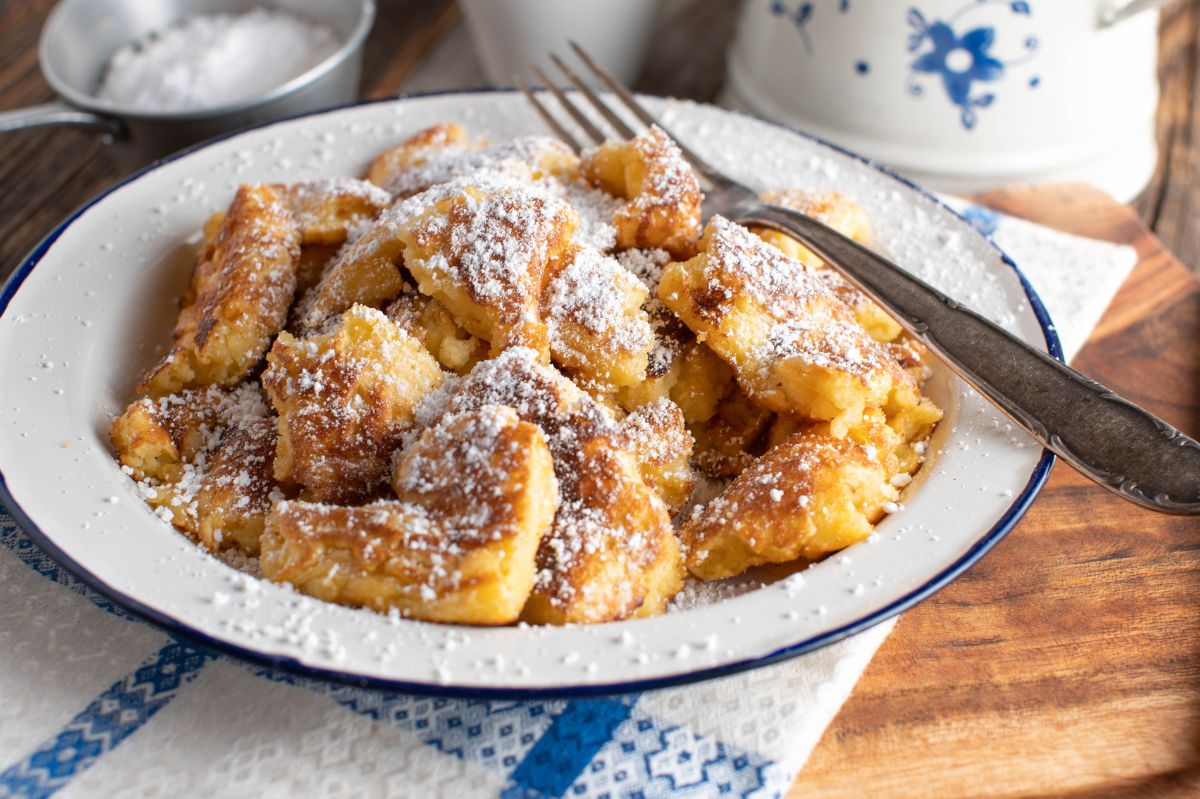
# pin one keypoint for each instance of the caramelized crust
(327, 210)
(598, 330)
(390, 165)
(483, 246)
(663, 197)
(477, 494)
(671, 340)
(238, 299)
(811, 495)
(794, 347)
(611, 553)
(344, 400)
(443, 152)
(154, 438)
(365, 272)
(237, 488)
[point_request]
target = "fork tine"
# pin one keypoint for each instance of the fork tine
(547, 117)
(580, 118)
(619, 125)
(626, 97)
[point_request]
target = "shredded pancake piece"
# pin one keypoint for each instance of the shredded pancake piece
(238, 299)
(611, 553)
(434, 326)
(483, 245)
(662, 208)
(598, 330)
(476, 496)
(796, 349)
(811, 495)
(345, 398)
(238, 488)
(658, 437)
(327, 210)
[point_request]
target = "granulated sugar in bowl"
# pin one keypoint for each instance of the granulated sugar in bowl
(207, 61)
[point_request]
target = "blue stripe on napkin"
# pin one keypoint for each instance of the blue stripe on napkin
(111, 718)
(564, 750)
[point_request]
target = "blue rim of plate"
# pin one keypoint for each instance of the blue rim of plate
(181, 630)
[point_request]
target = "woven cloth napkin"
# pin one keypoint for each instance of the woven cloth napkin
(95, 703)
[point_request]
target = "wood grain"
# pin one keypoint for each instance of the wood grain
(1171, 201)
(46, 173)
(1066, 662)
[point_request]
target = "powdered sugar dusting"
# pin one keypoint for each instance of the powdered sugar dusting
(593, 292)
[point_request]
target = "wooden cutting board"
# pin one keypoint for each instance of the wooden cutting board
(1066, 662)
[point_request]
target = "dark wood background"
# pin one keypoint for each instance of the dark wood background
(1067, 662)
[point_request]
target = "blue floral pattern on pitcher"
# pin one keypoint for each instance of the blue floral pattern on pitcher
(960, 56)
(962, 60)
(801, 16)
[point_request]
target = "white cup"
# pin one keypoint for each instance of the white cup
(511, 36)
(962, 95)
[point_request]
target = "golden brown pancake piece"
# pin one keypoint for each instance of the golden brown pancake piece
(483, 245)
(662, 194)
(811, 495)
(795, 348)
(611, 553)
(476, 496)
(344, 400)
(238, 299)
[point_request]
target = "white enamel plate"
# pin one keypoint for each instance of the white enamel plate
(93, 306)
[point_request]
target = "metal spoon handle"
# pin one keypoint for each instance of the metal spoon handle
(1114, 442)
(57, 113)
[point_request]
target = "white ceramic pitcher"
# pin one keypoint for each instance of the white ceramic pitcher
(962, 95)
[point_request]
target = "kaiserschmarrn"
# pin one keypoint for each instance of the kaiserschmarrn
(491, 383)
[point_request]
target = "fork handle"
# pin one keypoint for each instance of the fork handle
(1114, 442)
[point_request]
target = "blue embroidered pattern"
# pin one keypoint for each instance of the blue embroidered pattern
(962, 60)
(650, 757)
(100, 727)
(602, 747)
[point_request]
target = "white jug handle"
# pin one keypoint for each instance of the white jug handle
(1121, 10)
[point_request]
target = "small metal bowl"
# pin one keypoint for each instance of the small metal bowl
(81, 36)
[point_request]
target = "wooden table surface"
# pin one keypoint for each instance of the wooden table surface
(1065, 663)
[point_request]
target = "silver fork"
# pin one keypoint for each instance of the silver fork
(1114, 442)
